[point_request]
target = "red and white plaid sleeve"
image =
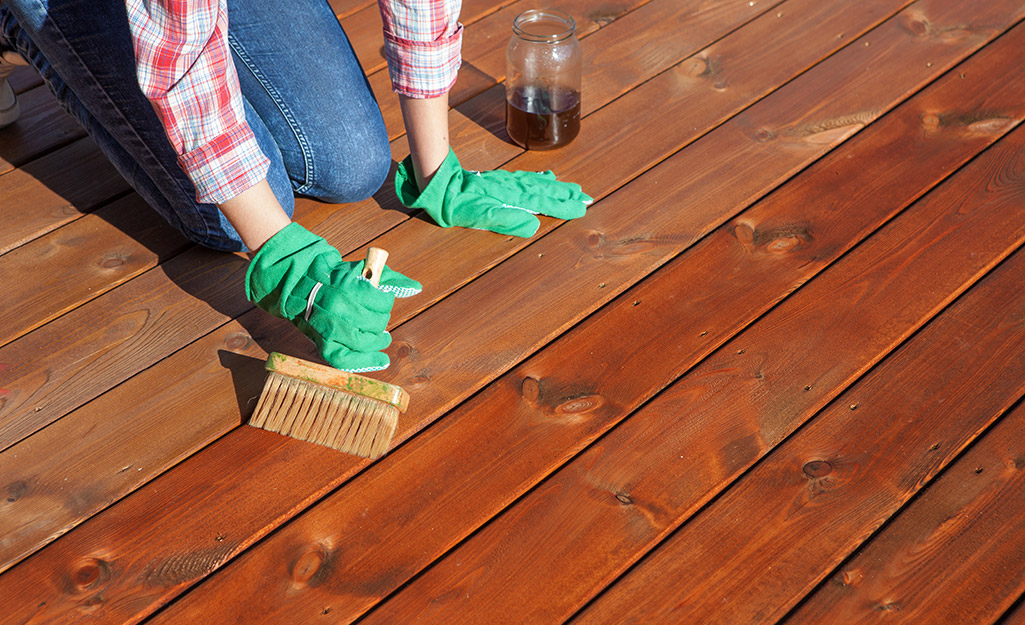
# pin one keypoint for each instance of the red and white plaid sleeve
(422, 42)
(185, 69)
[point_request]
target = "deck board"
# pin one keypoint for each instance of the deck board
(802, 206)
(957, 555)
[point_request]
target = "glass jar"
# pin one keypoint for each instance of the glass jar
(542, 84)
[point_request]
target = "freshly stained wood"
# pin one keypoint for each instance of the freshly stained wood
(129, 481)
(608, 153)
(617, 499)
(1016, 615)
(574, 401)
(475, 299)
(824, 491)
(957, 554)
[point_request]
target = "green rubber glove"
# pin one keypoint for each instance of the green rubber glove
(299, 276)
(500, 201)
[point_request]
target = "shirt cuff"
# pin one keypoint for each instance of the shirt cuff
(225, 166)
(423, 69)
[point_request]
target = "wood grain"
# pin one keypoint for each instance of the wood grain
(59, 188)
(97, 252)
(599, 515)
(268, 506)
(141, 540)
(1016, 615)
(457, 487)
(139, 419)
(42, 128)
(74, 358)
(957, 554)
(822, 493)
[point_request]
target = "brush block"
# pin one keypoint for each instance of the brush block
(339, 380)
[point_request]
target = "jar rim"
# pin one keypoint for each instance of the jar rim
(534, 15)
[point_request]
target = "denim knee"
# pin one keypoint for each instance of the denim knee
(353, 172)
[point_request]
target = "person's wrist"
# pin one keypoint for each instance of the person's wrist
(256, 215)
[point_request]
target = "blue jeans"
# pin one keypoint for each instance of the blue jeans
(306, 98)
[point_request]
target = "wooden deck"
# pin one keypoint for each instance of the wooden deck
(773, 376)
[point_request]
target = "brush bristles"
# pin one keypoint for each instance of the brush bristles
(312, 412)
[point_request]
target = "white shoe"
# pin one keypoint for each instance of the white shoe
(9, 109)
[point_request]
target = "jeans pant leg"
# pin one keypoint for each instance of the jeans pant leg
(298, 70)
(83, 51)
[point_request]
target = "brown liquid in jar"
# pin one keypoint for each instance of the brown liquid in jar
(539, 119)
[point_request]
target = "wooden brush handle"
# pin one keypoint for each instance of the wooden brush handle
(376, 258)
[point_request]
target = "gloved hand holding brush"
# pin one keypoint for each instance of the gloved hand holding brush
(297, 275)
(501, 201)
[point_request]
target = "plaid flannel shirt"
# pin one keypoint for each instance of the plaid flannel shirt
(185, 69)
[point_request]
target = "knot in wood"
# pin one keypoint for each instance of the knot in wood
(817, 468)
(580, 405)
(16, 490)
(89, 574)
(624, 499)
(403, 350)
(237, 341)
(530, 389)
(309, 564)
(113, 262)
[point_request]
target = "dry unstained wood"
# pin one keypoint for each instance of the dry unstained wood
(957, 554)
(592, 520)
(772, 537)
(99, 453)
(97, 252)
(83, 353)
(54, 190)
(177, 527)
(344, 230)
(766, 255)
(42, 127)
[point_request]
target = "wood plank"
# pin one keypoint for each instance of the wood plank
(457, 486)
(109, 447)
(957, 555)
(59, 188)
(1016, 615)
(755, 151)
(73, 358)
(263, 510)
(343, 8)
(689, 108)
(42, 128)
(99, 251)
(24, 79)
(347, 229)
(823, 492)
(625, 493)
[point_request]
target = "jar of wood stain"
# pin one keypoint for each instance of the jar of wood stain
(542, 85)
